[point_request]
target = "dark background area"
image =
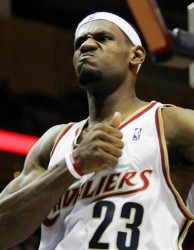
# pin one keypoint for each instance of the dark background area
(68, 13)
(33, 103)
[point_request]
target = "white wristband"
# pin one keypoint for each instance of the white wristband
(72, 167)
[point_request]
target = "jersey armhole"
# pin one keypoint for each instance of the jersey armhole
(60, 135)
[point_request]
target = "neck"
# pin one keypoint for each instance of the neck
(102, 106)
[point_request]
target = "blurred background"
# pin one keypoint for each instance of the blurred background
(38, 88)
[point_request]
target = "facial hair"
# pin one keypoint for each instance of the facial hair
(89, 76)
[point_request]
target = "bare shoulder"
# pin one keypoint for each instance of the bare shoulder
(36, 161)
(39, 155)
(178, 125)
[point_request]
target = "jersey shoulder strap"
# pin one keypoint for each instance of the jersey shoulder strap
(64, 130)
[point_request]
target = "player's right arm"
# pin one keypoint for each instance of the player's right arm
(28, 199)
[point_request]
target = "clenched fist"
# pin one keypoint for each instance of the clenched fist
(101, 147)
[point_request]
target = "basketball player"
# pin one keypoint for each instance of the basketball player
(106, 182)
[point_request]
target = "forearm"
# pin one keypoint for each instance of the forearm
(22, 212)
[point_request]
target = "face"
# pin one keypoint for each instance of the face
(101, 53)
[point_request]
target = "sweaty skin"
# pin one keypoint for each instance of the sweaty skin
(105, 55)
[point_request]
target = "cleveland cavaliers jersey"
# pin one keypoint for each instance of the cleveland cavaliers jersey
(132, 205)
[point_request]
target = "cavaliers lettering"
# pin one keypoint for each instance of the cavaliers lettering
(108, 186)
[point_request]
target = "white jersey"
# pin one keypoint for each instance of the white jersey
(133, 205)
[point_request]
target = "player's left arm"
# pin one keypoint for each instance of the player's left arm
(179, 133)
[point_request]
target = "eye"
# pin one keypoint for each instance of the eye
(102, 37)
(78, 42)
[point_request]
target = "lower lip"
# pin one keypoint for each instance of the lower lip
(85, 57)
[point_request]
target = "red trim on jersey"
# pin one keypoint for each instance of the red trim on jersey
(75, 139)
(145, 109)
(152, 104)
(164, 167)
(62, 134)
(76, 132)
(76, 166)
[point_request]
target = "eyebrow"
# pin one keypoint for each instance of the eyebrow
(99, 31)
(95, 34)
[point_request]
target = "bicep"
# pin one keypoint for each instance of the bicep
(179, 126)
(179, 131)
(39, 156)
(35, 164)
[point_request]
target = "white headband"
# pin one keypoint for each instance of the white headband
(120, 22)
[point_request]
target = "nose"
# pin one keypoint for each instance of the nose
(89, 44)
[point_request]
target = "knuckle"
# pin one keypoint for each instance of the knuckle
(121, 144)
(96, 145)
(114, 161)
(121, 134)
(98, 126)
(98, 134)
(117, 133)
(98, 154)
(119, 153)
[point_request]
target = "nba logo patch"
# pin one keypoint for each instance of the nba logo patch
(137, 134)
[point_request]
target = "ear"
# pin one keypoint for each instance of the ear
(137, 56)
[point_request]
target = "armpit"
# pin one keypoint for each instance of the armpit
(180, 156)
